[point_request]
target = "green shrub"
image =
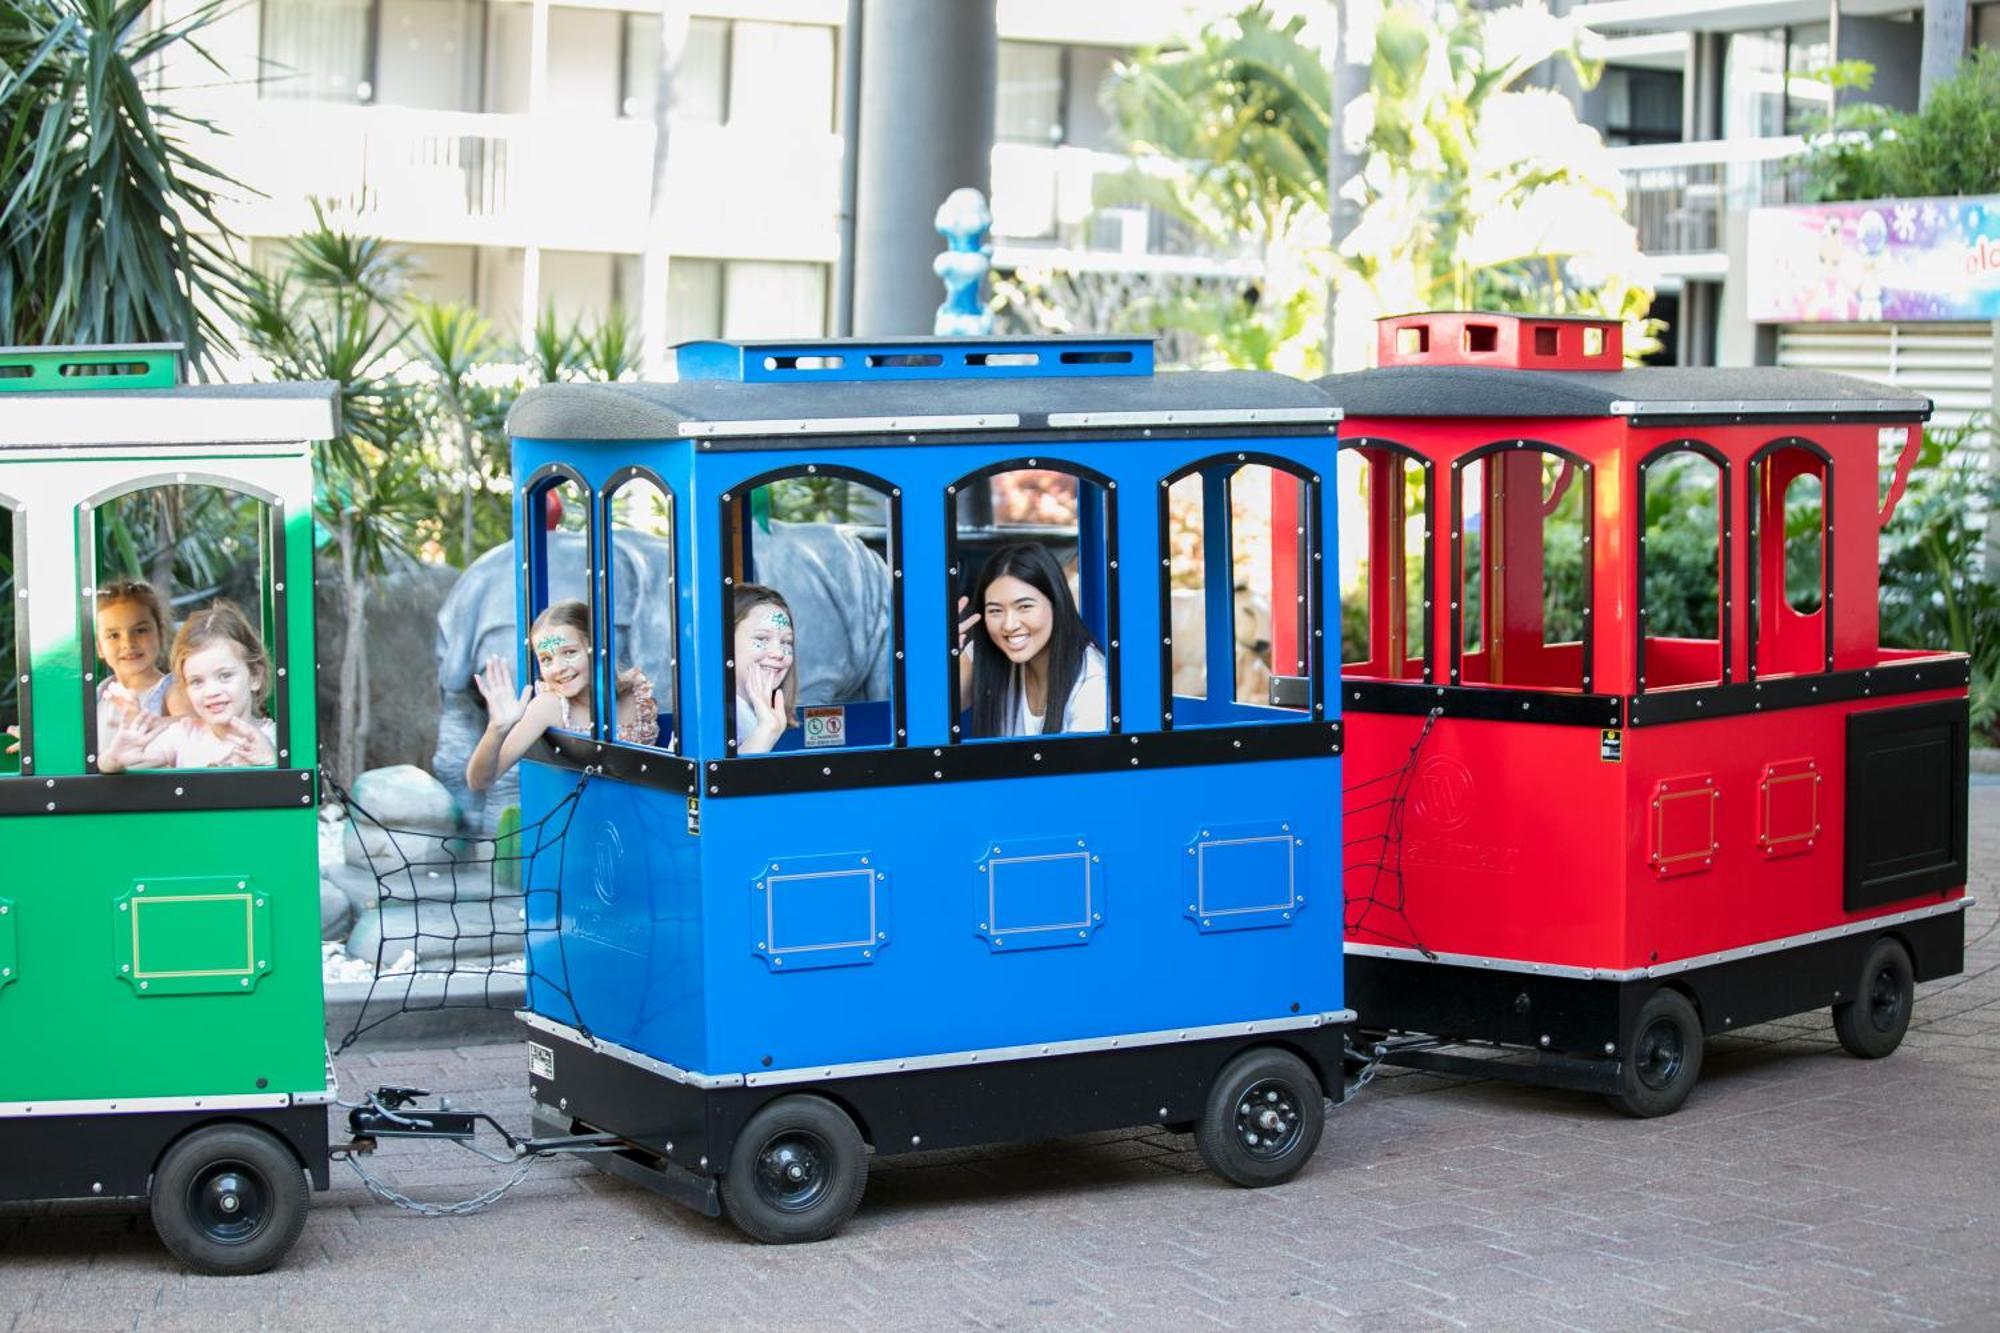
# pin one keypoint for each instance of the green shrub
(1951, 147)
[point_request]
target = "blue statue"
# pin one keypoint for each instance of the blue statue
(964, 221)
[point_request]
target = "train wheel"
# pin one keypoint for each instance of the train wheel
(1262, 1120)
(229, 1200)
(796, 1173)
(1872, 1024)
(1664, 1060)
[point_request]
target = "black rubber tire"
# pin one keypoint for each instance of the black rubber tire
(229, 1200)
(1262, 1119)
(796, 1173)
(1663, 1059)
(1872, 1024)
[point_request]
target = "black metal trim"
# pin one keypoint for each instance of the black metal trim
(534, 552)
(1690, 420)
(1010, 437)
(111, 1154)
(24, 659)
(1311, 559)
(1947, 671)
(1430, 539)
(1108, 497)
(1458, 466)
(1482, 703)
(277, 645)
(1756, 509)
(627, 763)
(892, 495)
(607, 676)
(162, 789)
(1026, 757)
(1725, 540)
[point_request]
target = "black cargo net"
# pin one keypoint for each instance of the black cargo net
(450, 907)
(1372, 874)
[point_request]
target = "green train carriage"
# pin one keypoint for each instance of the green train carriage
(161, 1011)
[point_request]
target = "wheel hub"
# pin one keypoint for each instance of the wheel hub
(1885, 999)
(1659, 1054)
(1268, 1119)
(794, 1170)
(229, 1203)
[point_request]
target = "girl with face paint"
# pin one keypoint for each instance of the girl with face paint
(767, 683)
(559, 700)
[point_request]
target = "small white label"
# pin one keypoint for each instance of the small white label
(541, 1061)
(825, 725)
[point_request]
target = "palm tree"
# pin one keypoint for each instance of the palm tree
(100, 197)
(453, 339)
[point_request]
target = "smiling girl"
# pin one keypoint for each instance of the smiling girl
(558, 701)
(219, 662)
(1036, 649)
(767, 687)
(132, 642)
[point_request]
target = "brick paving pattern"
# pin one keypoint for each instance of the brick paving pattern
(1797, 1188)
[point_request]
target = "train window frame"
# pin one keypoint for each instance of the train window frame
(1408, 454)
(277, 638)
(1588, 475)
(1754, 530)
(1725, 544)
(16, 517)
(729, 505)
(1311, 580)
(534, 585)
(955, 571)
(666, 693)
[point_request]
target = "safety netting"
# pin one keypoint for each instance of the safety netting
(1376, 812)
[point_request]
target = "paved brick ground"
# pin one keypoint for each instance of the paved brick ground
(1798, 1187)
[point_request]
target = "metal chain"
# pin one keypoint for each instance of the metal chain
(389, 1194)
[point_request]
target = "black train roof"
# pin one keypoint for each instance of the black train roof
(1642, 392)
(659, 411)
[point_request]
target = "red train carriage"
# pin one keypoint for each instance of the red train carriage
(1662, 780)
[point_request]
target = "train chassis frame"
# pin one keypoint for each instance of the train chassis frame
(678, 1131)
(1583, 1030)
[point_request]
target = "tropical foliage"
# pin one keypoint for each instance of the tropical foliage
(100, 197)
(1950, 147)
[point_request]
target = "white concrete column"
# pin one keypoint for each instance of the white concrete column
(538, 98)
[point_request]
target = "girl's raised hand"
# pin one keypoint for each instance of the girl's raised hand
(248, 746)
(130, 734)
(767, 702)
(966, 622)
(504, 706)
(13, 741)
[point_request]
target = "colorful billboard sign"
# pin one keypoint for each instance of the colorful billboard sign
(1884, 259)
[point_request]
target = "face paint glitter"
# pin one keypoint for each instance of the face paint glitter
(780, 619)
(551, 643)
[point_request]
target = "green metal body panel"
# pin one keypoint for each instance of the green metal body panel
(165, 953)
(74, 369)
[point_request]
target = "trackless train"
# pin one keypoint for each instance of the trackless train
(979, 775)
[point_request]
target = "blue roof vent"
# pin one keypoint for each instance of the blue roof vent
(857, 360)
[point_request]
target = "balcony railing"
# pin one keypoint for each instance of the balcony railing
(564, 183)
(1677, 194)
(1047, 199)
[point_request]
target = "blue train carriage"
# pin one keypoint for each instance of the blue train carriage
(900, 925)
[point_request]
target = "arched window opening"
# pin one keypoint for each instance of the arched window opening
(1683, 564)
(560, 644)
(639, 583)
(1241, 585)
(812, 618)
(16, 745)
(1034, 605)
(184, 652)
(1385, 538)
(1792, 576)
(1522, 535)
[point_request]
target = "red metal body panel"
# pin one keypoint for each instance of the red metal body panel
(1580, 846)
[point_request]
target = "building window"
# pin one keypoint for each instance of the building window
(316, 50)
(1767, 91)
(1641, 106)
(1029, 104)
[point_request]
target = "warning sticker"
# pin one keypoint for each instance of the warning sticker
(1611, 745)
(826, 725)
(541, 1061)
(694, 816)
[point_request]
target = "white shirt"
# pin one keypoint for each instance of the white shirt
(1085, 709)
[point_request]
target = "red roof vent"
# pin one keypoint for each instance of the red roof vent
(1511, 342)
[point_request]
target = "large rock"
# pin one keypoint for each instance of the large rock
(336, 912)
(466, 881)
(439, 933)
(402, 610)
(374, 848)
(405, 797)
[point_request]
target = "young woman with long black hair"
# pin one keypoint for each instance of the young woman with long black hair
(1035, 669)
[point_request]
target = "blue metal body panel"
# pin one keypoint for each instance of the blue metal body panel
(886, 921)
